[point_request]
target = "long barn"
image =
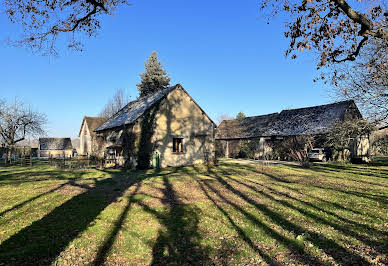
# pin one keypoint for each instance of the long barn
(265, 130)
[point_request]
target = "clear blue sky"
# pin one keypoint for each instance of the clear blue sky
(222, 52)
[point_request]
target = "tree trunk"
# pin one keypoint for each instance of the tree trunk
(9, 155)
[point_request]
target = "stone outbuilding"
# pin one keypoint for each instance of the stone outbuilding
(55, 147)
(167, 128)
(267, 130)
(87, 135)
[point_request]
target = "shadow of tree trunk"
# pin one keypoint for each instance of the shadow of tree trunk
(178, 242)
(43, 240)
(105, 248)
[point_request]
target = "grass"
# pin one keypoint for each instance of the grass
(226, 214)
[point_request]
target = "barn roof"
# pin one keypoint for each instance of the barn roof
(133, 110)
(303, 121)
(93, 123)
(55, 144)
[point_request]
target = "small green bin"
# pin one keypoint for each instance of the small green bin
(155, 160)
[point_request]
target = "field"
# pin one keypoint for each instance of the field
(228, 214)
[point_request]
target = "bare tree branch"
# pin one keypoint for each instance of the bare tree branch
(43, 21)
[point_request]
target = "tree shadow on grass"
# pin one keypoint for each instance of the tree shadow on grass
(293, 246)
(350, 228)
(21, 204)
(43, 240)
(339, 253)
(107, 245)
(178, 241)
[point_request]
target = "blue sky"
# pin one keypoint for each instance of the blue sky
(222, 52)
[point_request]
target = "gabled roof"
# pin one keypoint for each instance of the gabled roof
(303, 121)
(135, 109)
(93, 123)
(55, 144)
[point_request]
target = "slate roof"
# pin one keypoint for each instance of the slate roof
(93, 123)
(55, 144)
(303, 121)
(133, 110)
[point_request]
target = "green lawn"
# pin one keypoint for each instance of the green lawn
(226, 214)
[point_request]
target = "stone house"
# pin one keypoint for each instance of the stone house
(87, 135)
(268, 130)
(55, 147)
(168, 125)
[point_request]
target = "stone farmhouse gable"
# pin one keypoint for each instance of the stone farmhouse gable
(87, 134)
(182, 133)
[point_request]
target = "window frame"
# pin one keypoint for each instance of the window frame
(176, 142)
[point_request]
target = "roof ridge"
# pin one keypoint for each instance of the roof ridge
(315, 106)
(154, 97)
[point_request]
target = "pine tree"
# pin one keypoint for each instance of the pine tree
(154, 78)
(240, 115)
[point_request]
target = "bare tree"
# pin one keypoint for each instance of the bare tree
(298, 147)
(351, 43)
(44, 21)
(366, 82)
(18, 122)
(118, 101)
(223, 117)
(333, 28)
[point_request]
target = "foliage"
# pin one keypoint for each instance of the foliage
(145, 145)
(44, 21)
(118, 101)
(297, 147)
(247, 149)
(343, 133)
(279, 150)
(240, 115)
(154, 78)
(380, 145)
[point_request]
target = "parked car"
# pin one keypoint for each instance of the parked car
(317, 154)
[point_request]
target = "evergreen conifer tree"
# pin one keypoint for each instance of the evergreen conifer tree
(154, 78)
(240, 115)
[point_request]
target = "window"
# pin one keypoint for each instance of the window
(177, 145)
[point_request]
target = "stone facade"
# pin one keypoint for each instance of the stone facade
(87, 135)
(56, 153)
(55, 147)
(85, 140)
(264, 133)
(182, 133)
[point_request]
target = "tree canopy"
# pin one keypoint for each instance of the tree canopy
(343, 133)
(333, 28)
(154, 78)
(118, 101)
(44, 21)
(366, 82)
(18, 122)
(350, 39)
(240, 115)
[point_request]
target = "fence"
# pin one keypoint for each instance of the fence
(82, 162)
(26, 160)
(63, 162)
